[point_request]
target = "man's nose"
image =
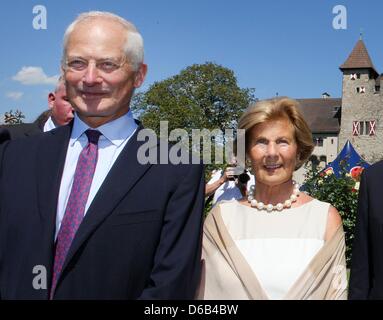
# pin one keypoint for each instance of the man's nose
(92, 75)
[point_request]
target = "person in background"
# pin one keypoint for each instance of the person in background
(231, 183)
(60, 113)
(366, 276)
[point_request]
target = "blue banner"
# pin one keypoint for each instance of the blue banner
(349, 159)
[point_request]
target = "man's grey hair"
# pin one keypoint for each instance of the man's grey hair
(134, 44)
(60, 81)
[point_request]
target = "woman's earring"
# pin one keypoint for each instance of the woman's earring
(248, 165)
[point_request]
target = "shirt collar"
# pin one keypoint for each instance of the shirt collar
(49, 125)
(116, 131)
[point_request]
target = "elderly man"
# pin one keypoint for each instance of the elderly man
(83, 209)
(60, 113)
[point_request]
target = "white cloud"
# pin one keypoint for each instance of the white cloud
(45, 93)
(34, 76)
(14, 95)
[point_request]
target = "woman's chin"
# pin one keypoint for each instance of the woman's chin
(273, 180)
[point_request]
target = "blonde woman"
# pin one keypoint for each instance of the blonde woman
(278, 243)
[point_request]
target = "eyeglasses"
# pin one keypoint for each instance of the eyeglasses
(79, 64)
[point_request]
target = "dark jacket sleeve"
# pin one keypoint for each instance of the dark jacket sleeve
(4, 135)
(177, 262)
(360, 276)
(2, 235)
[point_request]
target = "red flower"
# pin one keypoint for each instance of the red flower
(356, 172)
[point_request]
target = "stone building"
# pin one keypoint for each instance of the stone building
(362, 105)
(356, 116)
(323, 118)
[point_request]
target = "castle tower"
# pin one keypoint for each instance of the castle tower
(362, 105)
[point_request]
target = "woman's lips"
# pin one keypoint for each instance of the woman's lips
(273, 166)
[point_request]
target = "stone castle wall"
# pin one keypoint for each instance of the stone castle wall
(365, 106)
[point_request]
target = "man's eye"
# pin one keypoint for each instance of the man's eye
(77, 64)
(108, 65)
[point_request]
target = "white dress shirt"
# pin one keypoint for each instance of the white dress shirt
(49, 125)
(115, 135)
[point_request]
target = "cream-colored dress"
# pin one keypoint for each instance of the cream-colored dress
(253, 254)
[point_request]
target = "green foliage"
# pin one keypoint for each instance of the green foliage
(13, 117)
(200, 96)
(341, 193)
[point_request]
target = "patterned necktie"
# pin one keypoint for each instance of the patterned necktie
(75, 208)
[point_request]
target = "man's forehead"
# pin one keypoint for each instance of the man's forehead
(98, 39)
(97, 25)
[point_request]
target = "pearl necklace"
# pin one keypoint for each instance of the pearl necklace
(269, 207)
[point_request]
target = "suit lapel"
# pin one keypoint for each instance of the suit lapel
(50, 164)
(125, 172)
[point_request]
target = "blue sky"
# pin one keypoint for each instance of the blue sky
(289, 47)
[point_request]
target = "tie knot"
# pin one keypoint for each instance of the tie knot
(93, 136)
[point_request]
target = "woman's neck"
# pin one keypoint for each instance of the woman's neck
(273, 194)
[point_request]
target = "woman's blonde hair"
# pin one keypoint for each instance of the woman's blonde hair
(274, 109)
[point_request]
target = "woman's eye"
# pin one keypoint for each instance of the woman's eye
(261, 141)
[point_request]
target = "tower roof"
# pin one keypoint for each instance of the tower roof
(359, 59)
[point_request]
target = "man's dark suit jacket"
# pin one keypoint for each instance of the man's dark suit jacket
(140, 238)
(16, 131)
(366, 279)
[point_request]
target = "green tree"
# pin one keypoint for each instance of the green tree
(200, 96)
(13, 117)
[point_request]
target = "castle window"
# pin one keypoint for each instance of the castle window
(377, 89)
(360, 89)
(355, 76)
(318, 141)
(364, 128)
(356, 128)
(372, 127)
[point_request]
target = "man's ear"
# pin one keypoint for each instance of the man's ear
(140, 75)
(51, 99)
